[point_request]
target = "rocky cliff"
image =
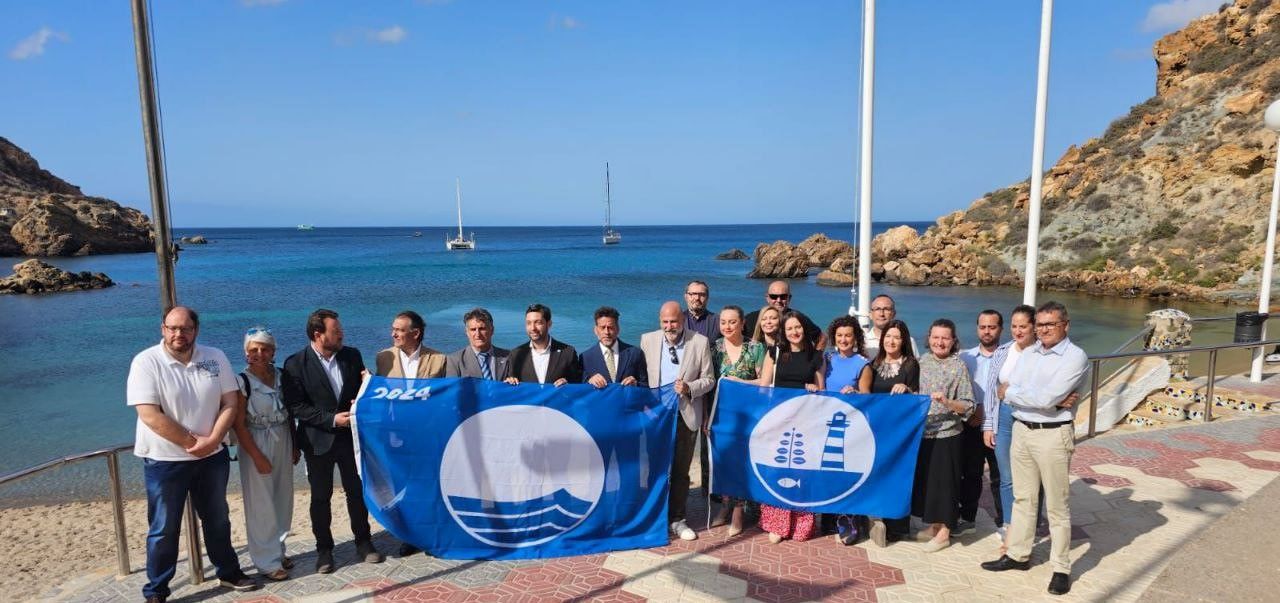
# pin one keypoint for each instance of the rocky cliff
(42, 215)
(1171, 200)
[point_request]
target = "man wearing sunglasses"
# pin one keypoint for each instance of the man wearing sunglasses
(778, 295)
(678, 357)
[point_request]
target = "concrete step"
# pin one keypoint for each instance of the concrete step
(1169, 406)
(1195, 412)
(1195, 391)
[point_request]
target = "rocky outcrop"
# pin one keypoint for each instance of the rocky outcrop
(35, 276)
(42, 215)
(831, 278)
(823, 250)
(733, 254)
(196, 240)
(780, 259)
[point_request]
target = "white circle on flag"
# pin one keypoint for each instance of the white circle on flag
(812, 450)
(518, 476)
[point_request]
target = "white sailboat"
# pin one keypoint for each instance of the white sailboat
(611, 236)
(460, 242)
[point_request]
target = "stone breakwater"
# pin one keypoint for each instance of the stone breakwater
(957, 252)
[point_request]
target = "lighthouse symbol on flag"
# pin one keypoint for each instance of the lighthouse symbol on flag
(833, 450)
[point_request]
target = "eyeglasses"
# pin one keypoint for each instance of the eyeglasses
(256, 330)
(696, 293)
(882, 309)
(1050, 325)
(777, 296)
(179, 329)
(674, 358)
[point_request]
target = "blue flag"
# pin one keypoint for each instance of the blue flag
(822, 452)
(476, 469)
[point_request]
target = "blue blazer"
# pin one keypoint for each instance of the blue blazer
(630, 363)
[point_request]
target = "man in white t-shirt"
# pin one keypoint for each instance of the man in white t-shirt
(185, 396)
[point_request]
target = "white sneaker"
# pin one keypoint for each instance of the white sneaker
(1272, 357)
(682, 530)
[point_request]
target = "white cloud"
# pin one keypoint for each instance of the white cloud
(1172, 15)
(391, 35)
(565, 22)
(33, 45)
(261, 2)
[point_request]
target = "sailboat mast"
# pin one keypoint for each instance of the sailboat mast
(608, 201)
(458, 185)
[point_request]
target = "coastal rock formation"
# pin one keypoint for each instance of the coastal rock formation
(42, 215)
(780, 259)
(733, 254)
(35, 276)
(1169, 202)
(831, 278)
(822, 250)
(196, 240)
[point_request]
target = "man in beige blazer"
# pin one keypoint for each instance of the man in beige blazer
(407, 357)
(407, 351)
(679, 357)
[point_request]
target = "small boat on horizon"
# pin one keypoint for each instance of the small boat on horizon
(460, 242)
(306, 227)
(611, 236)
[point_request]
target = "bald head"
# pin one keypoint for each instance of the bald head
(778, 295)
(672, 320)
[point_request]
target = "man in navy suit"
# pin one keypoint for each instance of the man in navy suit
(319, 384)
(612, 361)
(542, 359)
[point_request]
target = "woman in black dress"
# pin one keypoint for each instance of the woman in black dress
(894, 371)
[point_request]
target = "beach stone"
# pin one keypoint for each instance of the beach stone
(822, 250)
(733, 254)
(35, 276)
(895, 243)
(831, 278)
(780, 259)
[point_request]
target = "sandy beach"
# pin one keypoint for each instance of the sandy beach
(47, 545)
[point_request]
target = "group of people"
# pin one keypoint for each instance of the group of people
(1002, 406)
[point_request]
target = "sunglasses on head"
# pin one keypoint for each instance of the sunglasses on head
(256, 330)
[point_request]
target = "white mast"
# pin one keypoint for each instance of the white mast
(867, 94)
(1037, 156)
(608, 202)
(458, 185)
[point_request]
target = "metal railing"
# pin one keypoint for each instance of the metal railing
(1095, 363)
(117, 506)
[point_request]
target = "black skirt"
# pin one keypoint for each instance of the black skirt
(937, 485)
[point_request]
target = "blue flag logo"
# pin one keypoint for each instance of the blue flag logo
(823, 452)
(475, 469)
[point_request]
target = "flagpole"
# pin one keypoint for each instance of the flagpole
(1272, 120)
(1037, 156)
(867, 96)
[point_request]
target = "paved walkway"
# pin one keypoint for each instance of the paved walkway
(1136, 498)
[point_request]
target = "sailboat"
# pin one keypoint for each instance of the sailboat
(611, 236)
(459, 242)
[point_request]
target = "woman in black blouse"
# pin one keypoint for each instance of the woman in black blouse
(894, 371)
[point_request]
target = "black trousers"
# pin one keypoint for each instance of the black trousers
(975, 455)
(686, 439)
(320, 476)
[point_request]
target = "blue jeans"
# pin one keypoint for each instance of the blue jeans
(168, 484)
(1004, 441)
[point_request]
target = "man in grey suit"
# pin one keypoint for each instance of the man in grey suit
(679, 357)
(480, 358)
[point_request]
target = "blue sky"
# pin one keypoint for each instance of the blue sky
(338, 113)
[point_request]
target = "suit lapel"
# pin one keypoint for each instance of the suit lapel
(318, 376)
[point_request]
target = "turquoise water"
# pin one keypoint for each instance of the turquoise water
(64, 358)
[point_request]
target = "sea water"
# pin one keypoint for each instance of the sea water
(64, 358)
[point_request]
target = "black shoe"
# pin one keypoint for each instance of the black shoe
(1059, 584)
(407, 549)
(1005, 563)
(324, 561)
(239, 582)
(155, 599)
(366, 553)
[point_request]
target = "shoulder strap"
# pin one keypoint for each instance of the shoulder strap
(244, 383)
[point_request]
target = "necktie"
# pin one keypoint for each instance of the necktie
(483, 357)
(609, 363)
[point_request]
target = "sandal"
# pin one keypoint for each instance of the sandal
(278, 575)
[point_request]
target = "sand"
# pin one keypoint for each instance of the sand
(47, 545)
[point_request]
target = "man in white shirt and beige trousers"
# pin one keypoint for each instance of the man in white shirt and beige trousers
(1043, 441)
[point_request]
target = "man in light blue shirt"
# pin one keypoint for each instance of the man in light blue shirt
(979, 359)
(1039, 392)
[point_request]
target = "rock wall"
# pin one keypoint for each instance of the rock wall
(42, 215)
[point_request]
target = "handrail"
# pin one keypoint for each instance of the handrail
(1141, 333)
(117, 505)
(1095, 363)
(1270, 316)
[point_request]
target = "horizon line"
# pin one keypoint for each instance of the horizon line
(454, 226)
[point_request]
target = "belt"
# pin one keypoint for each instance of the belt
(1054, 425)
